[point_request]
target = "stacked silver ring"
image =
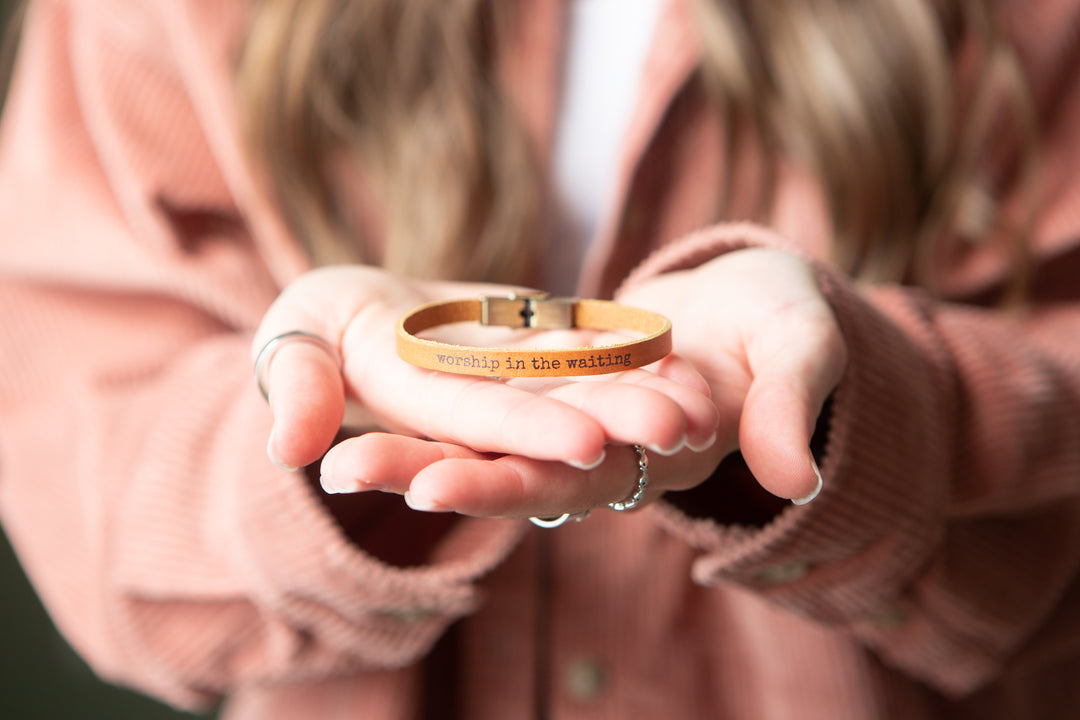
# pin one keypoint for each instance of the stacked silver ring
(622, 506)
(643, 482)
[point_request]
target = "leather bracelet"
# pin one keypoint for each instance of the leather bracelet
(538, 312)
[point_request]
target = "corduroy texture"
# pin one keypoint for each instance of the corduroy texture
(935, 576)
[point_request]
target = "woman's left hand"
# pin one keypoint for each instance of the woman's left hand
(757, 327)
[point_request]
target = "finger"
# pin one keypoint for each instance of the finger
(481, 413)
(642, 408)
(513, 486)
(679, 379)
(680, 370)
(302, 381)
(307, 399)
(787, 393)
(383, 461)
(775, 440)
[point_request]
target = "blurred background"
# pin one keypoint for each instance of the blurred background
(40, 676)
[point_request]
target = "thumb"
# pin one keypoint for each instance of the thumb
(303, 384)
(774, 438)
(795, 369)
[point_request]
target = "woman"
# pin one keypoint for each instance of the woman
(837, 206)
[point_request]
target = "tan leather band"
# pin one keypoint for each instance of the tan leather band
(537, 312)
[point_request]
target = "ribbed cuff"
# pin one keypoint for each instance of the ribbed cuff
(849, 553)
(228, 537)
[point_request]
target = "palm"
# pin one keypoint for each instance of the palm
(767, 343)
(358, 308)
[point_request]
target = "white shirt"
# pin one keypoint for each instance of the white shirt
(606, 45)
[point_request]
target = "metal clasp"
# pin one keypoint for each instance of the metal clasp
(539, 312)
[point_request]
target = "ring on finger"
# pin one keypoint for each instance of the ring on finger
(642, 483)
(270, 349)
(556, 521)
(628, 504)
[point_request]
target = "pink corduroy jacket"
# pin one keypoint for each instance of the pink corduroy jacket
(935, 576)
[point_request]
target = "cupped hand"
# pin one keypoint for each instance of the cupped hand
(443, 477)
(757, 326)
(356, 308)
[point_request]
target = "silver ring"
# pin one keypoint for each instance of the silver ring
(642, 482)
(262, 360)
(554, 522)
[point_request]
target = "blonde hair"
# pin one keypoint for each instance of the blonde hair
(859, 92)
(862, 94)
(408, 90)
(11, 15)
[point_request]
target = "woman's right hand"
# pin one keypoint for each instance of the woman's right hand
(356, 308)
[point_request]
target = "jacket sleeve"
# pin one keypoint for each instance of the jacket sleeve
(134, 482)
(947, 535)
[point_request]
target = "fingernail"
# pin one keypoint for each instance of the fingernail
(588, 466)
(338, 486)
(424, 504)
(709, 442)
(274, 458)
(668, 452)
(817, 490)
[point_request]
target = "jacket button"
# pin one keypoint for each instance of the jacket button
(585, 679)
